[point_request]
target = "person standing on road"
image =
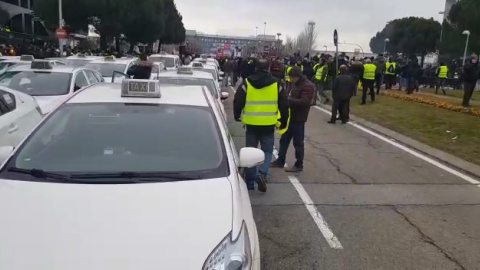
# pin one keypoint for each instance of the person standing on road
(261, 97)
(379, 71)
(228, 68)
(368, 80)
(356, 70)
(390, 73)
(470, 78)
(442, 75)
(300, 99)
(342, 91)
(320, 80)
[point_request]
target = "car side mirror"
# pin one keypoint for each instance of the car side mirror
(251, 157)
(224, 95)
(5, 152)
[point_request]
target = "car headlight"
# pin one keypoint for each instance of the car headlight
(232, 253)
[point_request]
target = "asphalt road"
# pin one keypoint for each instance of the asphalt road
(367, 205)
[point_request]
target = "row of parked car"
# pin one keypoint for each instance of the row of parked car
(32, 88)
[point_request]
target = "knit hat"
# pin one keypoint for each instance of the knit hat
(295, 72)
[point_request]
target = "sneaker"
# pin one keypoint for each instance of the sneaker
(277, 164)
(294, 169)
(262, 183)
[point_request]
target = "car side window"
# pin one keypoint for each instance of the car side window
(80, 81)
(91, 77)
(7, 102)
(98, 76)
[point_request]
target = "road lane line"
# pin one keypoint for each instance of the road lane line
(322, 225)
(411, 151)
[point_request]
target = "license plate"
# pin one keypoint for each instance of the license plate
(138, 87)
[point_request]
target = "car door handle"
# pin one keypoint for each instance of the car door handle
(13, 128)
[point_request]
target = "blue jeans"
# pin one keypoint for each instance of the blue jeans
(296, 131)
(266, 140)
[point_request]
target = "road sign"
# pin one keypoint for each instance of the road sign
(61, 33)
(335, 37)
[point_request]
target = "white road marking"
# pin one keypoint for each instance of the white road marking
(322, 225)
(317, 217)
(410, 151)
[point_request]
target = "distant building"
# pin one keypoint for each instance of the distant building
(198, 42)
(21, 18)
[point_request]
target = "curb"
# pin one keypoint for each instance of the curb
(443, 157)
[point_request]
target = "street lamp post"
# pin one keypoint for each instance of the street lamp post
(60, 24)
(326, 48)
(311, 26)
(264, 29)
(466, 32)
(441, 36)
(385, 45)
(256, 31)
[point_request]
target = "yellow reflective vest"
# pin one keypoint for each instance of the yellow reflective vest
(388, 67)
(443, 74)
(319, 73)
(369, 71)
(261, 106)
(287, 78)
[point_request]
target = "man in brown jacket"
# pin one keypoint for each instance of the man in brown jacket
(300, 99)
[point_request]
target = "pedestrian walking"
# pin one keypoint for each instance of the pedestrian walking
(368, 80)
(343, 89)
(261, 97)
(228, 68)
(442, 75)
(300, 99)
(470, 78)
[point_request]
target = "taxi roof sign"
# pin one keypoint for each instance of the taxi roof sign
(140, 88)
(41, 64)
(185, 70)
(197, 65)
(109, 58)
(27, 57)
(81, 55)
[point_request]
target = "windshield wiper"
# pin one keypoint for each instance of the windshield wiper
(151, 176)
(37, 173)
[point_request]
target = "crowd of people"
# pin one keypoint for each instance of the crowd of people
(276, 94)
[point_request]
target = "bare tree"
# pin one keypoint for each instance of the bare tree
(304, 42)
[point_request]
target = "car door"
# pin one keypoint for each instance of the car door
(79, 81)
(18, 116)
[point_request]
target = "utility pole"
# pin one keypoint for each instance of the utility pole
(60, 25)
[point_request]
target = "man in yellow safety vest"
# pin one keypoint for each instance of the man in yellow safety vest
(390, 73)
(368, 80)
(442, 75)
(320, 80)
(259, 100)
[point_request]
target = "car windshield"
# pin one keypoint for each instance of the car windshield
(117, 137)
(37, 83)
(191, 81)
(168, 61)
(4, 66)
(107, 69)
(77, 62)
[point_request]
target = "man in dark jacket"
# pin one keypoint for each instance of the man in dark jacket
(141, 70)
(255, 97)
(300, 98)
(228, 67)
(470, 78)
(343, 88)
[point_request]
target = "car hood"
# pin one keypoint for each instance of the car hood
(173, 225)
(48, 103)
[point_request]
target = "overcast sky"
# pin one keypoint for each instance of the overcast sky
(356, 20)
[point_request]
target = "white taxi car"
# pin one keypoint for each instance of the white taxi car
(24, 60)
(189, 76)
(109, 65)
(19, 114)
(47, 83)
(128, 176)
(207, 68)
(171, 62)
(80, 60)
